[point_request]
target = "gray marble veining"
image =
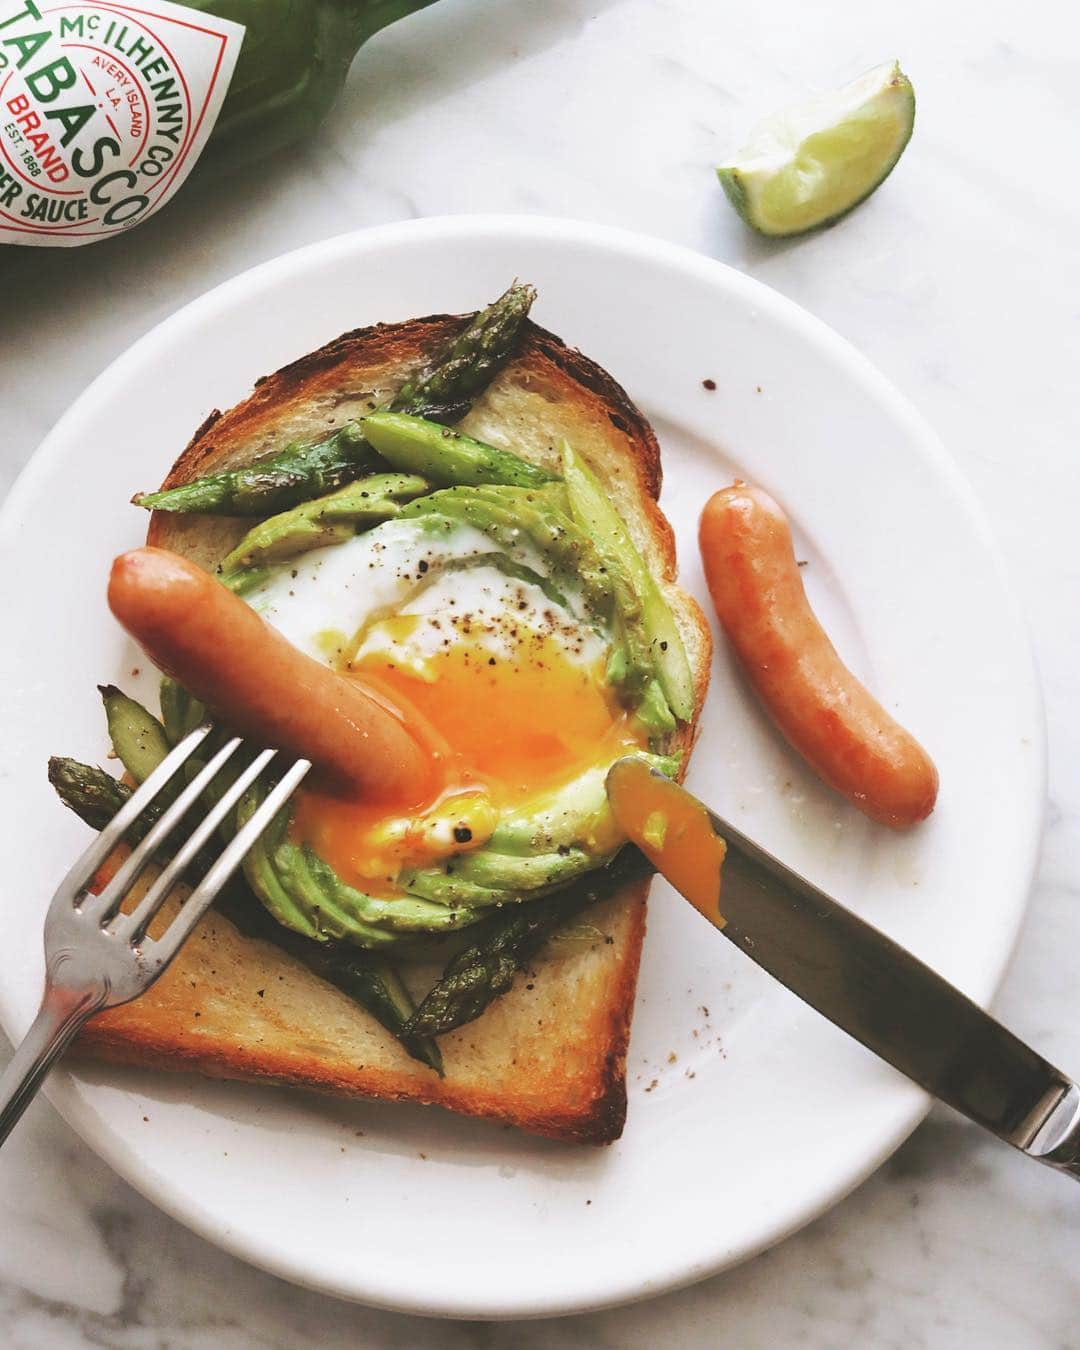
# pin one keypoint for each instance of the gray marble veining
(960, 280)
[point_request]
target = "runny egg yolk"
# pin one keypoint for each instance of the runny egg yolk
(514, 725)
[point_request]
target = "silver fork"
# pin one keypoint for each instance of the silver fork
(97, 957)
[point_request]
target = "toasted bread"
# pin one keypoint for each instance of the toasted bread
(549, 1056)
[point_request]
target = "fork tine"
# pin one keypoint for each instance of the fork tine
(82, 870)
(202, 897)
(105, 905)
(131, 927)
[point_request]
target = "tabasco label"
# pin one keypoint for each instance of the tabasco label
(104, 109)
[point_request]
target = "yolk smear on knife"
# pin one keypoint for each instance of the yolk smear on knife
(512, 729)
(673, 830)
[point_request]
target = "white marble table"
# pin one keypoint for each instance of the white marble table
(961, 280)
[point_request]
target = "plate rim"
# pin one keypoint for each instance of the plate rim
(633, 245)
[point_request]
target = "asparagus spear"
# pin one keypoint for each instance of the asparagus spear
(274, 484)
(94, 795)
(375, 984)
(479, 974)
(300, 472)
(445, 393)
(372, 981)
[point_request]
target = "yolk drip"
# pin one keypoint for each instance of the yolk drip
(512, 730)
(673, 830)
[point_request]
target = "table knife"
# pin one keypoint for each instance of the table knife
(849, 971)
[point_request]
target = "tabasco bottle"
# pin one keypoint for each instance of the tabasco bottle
(107, 105)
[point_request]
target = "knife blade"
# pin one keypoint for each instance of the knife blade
(849, 971)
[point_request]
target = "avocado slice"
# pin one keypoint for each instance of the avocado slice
(247, 578)
(525, 872)
(592, 509)
(531, 853)
(180, 713)
(326, 520)
(259, 870)
(454, 892)
(578, 815)
(416, 445)
(138, 737)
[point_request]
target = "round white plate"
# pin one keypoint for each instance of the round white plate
(748, 1113)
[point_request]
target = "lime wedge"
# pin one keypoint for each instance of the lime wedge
(810, 164)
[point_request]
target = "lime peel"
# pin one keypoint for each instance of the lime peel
(813, 163)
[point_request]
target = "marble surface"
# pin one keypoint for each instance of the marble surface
(959, 279)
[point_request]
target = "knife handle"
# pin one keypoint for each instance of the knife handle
(1058, 1141)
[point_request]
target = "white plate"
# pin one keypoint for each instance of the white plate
(745, 1120)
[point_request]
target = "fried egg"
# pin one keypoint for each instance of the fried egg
(507, 668)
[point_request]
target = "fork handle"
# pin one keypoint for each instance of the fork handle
(60, 1016)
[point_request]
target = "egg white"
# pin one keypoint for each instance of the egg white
(399, 569)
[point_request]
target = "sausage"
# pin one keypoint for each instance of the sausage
(827, 715)
(223, 653)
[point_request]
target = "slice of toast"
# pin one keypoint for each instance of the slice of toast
(549, 1056)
